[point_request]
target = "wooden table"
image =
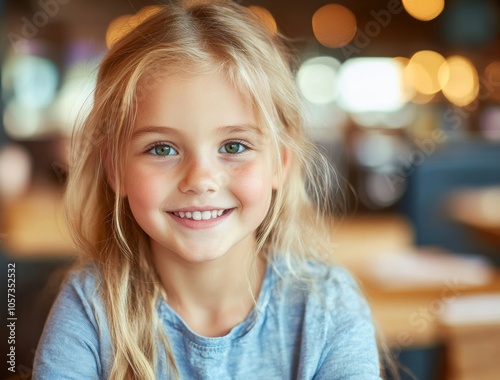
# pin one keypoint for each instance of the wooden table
(407, 314)
(34, 226)
(478, 209)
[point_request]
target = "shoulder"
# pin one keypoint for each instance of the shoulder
(330, 285)
(322, 294)
(79, 295)
(82, 285)
(84, 276)
(339, 288)
(75, 331)
(322, 306)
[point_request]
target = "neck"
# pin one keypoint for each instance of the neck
(211, 297)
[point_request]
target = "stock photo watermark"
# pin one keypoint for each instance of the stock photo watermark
(380, 20)
(425, 147)
(11, 316)
(48, 9)
(422, 318)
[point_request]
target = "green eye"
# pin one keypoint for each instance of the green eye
(162, 150)
(233, 148)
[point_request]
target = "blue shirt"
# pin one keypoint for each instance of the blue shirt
(298, 330)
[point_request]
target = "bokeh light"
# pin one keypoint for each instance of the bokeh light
(34, 80)
(374, 149)
(378, 191)
(424, 10)
(265, 17)
(461, 85)
(75, 97)
(427, 72)
(371, 84)
(407, 89)
(490, 123)
(15, 171)
(422, 99)
(317, 79)
(334, 25)
(22, 123)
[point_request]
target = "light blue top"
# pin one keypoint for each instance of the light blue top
(318, 330)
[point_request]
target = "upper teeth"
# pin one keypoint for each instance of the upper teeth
(199, 215)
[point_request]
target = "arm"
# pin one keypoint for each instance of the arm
(69, 346)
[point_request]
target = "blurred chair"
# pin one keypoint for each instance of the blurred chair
(456, 165)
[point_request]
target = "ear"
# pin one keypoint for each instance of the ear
(285, 163)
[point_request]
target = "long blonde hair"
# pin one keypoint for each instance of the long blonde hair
(192, 37)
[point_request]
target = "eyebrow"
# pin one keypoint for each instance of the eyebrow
(153, 129)
(243, 128)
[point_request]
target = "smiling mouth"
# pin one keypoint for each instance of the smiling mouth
(200, 215)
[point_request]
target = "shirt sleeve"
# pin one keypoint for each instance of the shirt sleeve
(69, 346)
(352, 348)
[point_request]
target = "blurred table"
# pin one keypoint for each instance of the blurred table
(471, 328)
(407, 301)
(479, 210)
(407, 287)
(34, 226)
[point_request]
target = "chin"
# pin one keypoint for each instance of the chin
(201, 254)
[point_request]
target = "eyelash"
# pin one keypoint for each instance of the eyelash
(159, 144)
(242, 143)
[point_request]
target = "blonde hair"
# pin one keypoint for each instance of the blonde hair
(190, 37)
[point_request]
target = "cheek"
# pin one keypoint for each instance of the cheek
(142, 189)
(253, 186)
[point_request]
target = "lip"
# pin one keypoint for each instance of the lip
(200, 224)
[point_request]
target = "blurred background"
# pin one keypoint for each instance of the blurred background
(402, 96)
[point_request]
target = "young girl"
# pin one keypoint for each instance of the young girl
(200, 207)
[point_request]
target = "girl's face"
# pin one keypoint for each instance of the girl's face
(200, 172)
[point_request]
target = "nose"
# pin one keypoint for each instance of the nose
(200, 176)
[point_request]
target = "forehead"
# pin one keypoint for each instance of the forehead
(161, 73)
(180, 99)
